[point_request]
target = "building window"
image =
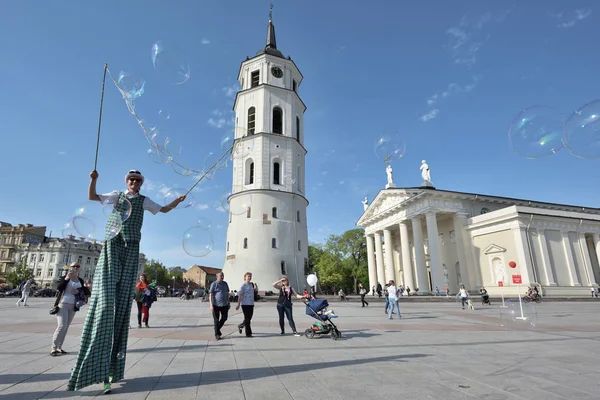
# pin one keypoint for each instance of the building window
(42, 258)
(3, 256)
(306, 269)
(227, 246)
(53, 258)
(80, 259)
(283, 268)
(277, 120)
(251, 120)
(298, 216)
(33, 258)
(230, 217)
(38, 272)
(274, 212)
(298, 129)
(276, 173)
(299, 245)
(50, 272)
(274, 243)
(249, 171)
(88, 261)
(248, 212)
(245, 243)
(294, 85)
(95, 261)
(255, 78)
(298, 179)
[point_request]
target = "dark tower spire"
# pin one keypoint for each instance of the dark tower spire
(271, 46)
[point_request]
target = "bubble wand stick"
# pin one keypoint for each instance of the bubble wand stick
(209, 169)
(100, 117)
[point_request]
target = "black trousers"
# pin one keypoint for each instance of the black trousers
(362, 298)
(139, 315)
(219, 316)
(248, 313)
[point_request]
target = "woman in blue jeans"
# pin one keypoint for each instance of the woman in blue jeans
(284, 303)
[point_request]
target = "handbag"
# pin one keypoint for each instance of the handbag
(55, 309)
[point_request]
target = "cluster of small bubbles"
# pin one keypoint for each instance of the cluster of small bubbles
(236, 204)
(131, 87)
(536, 132)
(516, 314)
(170, 62)
(164, 114)
(198, 240)
(390, 147)
(171, 195)
(582, 131)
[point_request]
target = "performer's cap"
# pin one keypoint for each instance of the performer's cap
(134, 174)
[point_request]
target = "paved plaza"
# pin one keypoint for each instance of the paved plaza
(436, 351)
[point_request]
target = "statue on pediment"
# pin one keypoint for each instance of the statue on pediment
(365, 203)
(425, 174)
(390, 177)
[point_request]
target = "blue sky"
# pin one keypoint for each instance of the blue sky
(368, 68)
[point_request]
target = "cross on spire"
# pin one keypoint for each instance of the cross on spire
(271, 12)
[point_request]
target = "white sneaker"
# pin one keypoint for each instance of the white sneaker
(296, 334)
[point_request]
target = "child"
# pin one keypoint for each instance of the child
(104, 336)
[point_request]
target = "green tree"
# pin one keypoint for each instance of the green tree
(19, 273)
(158, 273)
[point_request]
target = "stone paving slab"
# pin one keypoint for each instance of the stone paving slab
(436, 351)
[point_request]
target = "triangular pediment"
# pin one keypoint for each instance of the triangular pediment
(493, 249)
(386, 200)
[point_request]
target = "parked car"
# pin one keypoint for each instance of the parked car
(12, 292)
(47, 292)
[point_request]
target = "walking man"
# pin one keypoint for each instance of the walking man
(362, 291)
(219, 303)
(25, 289)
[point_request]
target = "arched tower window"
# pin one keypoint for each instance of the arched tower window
(277, 120)
(274, 212)
(298, 129)
(276, 173)
(299, 178)
(245, 243)
(283, 268)
(274, 243)
(251, 120)
(249, 172)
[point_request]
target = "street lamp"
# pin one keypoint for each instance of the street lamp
(173, 284)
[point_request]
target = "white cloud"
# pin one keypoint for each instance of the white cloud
(572, 18)
(431, 114)
(205, 41)
(62, 153)
(202, 206)
(230, 91)
(220, 208)
(467, 38)
(217, 122)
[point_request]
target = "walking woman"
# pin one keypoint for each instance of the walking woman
(102, 354)
(69, 287)
(284, 303)
(140, 289)
(246, 300)
(464, 295)
(363, 292)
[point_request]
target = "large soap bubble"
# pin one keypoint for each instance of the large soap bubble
(198, 241)
(390, 147)
(536, 132)
(170, 62)
(582, 131)
(131, 87)
(234, 203)
(172, 194)
(512, 318)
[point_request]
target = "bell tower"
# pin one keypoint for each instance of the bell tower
(267, 232)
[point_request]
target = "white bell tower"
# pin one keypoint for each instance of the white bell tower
(267, 232)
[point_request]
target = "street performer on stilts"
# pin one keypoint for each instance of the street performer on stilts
(101, 358)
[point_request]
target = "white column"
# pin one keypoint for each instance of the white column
(407, 268)
(421, 268)
(460, 223)
(549, 279)
(379, 259)
(435, 256)
(566, 242)
(371, 263)
(587, 267)
(389, 255)
(596, 238)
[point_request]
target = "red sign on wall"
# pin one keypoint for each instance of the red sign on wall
(500, 283)
(517, 279)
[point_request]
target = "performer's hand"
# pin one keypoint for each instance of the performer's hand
(94, 175)
(181, 198)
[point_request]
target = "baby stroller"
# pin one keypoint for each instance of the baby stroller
(324, 326)
(485, 299)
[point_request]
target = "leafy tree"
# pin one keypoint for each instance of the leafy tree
(19, 273)
(158, 273)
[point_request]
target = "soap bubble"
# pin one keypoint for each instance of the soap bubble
(536, 132)
(179, 169)
(390, 147)
(204, 223)
(90, 220)
(121, 210)
(131, 86)
(69, 233)
(170, 62)
(511, 317)
(236, 201)
(582, 131)
(164, 115)
(172, 148)
(215, 161)
(157, 156)
(121, 355)
(172, 194)
(198, 241)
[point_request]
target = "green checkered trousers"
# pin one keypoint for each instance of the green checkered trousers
(106, 326)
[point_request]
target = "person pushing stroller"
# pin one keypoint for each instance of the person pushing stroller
(485, 297)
